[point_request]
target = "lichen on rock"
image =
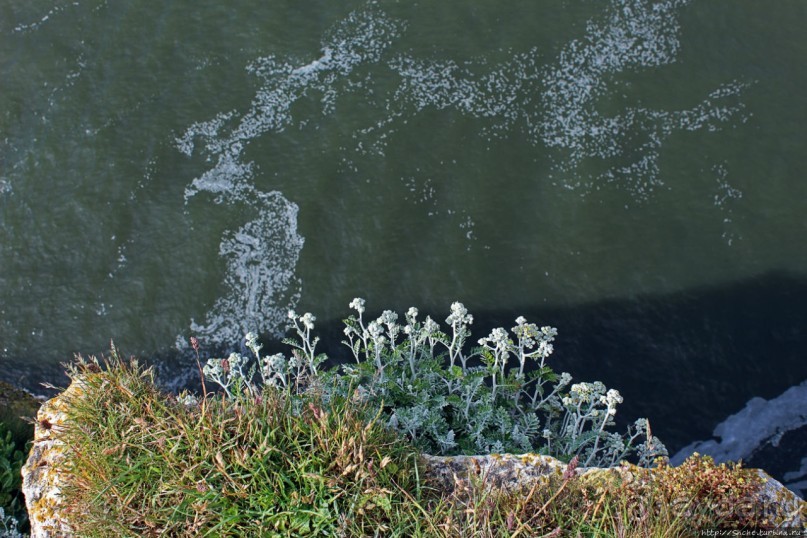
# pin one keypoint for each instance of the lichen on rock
(44, 472)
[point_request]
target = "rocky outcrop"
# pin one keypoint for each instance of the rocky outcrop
(782, 507)
(44, 474)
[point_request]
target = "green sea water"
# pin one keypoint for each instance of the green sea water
(177, 169)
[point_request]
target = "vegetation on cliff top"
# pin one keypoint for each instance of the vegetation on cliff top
(144, 463)
(287, 448)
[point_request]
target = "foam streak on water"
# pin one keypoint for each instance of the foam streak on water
(361, 38)
(635, 35)
(631, 37)
(45, 18)
(262, 254)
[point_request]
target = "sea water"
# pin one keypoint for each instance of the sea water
(630, 171)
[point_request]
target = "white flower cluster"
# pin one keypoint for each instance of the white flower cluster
(590, 407)
(376, 332)
(452, 397)
(304, 325)
(498, 341)
(565, 379)
(308, 320)
(529, 335)
(388, 317)
(357, 304)
(251, 341)
(430, 326)
(379, 334)
(531, 343)
(584, 393)
(459, 315)
(233, 374)
(274, 369)
(611, 399)
(228, 372)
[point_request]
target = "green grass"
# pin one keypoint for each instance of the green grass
(144, 464)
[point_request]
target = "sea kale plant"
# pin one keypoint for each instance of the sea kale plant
(447, 397)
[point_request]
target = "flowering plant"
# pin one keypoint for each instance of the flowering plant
(497, 397)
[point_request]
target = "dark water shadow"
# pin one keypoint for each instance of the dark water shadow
(685, 361)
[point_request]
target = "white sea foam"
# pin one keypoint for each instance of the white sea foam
(421, 191)
(497, 94)
(631, 36)
(262, 254)
(204, 129)
(467, 224)
(45, 18)
(360, 38)
(797, 480)
(726, 194)
(260, 283)
(229, 180)
(635, 35)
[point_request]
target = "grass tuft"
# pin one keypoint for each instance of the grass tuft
(144, 464)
